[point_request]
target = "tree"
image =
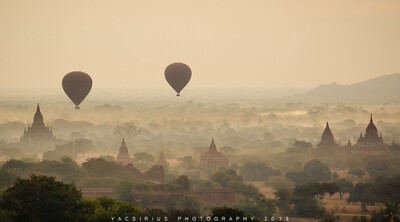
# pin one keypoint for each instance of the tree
(107, 158)
(6, 216)
(344, 186)
(16, 165)
(302, 145)
(103, 208)
(258, 207)
(126, 130)
(187, 202)
(233, 175)
(357, 193)
(6, 178)
(391, 210)
(357, 172)
(206, 184)
(317, 171)
(221, 178)
(284, 200)
(42, 198)
(226, 177)
(67, 171)
(316, 190)
(279, 182)
(299, 177)
(184, 182)
(99, 167)
(378, 167)
(124, 190)
(386, 191)
(51, 156)
(258, 171)
(306, 198)
(82, 145)
(175, 213)
(226, 212)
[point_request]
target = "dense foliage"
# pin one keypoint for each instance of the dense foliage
(42, 198)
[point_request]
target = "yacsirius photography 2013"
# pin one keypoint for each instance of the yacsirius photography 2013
(199, 111)
(195, 218)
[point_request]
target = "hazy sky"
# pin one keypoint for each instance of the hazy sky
(128, 44)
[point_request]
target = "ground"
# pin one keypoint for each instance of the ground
(333, 204)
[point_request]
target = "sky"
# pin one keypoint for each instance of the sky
(227, 44)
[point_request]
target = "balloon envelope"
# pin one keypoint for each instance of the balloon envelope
(77, 86)
(178, 76)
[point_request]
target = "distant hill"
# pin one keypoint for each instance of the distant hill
(384, 88)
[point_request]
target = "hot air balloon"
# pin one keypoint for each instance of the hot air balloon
(77, 86)
(178, 76)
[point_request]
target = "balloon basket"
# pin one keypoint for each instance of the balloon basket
(77, 107)
(178, 94)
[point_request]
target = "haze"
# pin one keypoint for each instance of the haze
(228, 44)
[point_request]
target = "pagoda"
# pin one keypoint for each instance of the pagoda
(123, 154)
(162, 161)
(327, 144)
(370, 138)
(38, 138)
(212, 158)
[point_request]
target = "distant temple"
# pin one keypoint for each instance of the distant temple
(371, 138)
(327, 139)
(370, 142)
(162, 161)
(212, 158)
(123, 154)
(38, 138)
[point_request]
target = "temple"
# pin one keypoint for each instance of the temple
(162, 161)
(38, 138)
(370, 138)
(123, 154)
(212, 158)
(370, 142)
(327, 138)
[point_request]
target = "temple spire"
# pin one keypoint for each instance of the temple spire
(162, 156)
(123, 151)
(212, 158)
(38, 117)
(123, 154)
(38, 138)
(327, 138)
(161, 160)
(212, 145)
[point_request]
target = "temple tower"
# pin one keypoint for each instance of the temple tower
(327, 143)
(371, 138)
(212, 158)
(162, 161)
(123, 154)
(38, 138)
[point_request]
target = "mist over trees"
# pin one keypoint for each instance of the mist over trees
(271, 146)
